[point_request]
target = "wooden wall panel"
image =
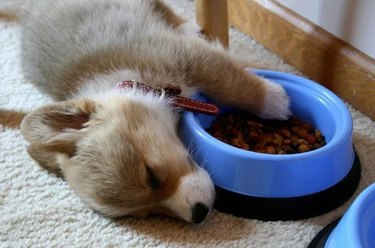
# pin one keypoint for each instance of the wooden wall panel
(318, 54)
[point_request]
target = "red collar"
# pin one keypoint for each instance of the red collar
(173, 93)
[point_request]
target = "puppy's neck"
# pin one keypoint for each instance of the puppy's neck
(103, 89)
(104, 84)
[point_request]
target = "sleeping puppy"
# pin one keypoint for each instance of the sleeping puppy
(119, 149)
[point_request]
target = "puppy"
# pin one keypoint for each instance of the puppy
(119, 149)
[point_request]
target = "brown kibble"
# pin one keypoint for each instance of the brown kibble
(228, 119)
(307, 127)
(303, 148)
(319, 145)
(245, 147)
(294, 121)
(270, 150)
(302, 133)
(228, 127)
(235, 142)
(310, 139)
(235, 132)
(318, 135)
(295, 129)
(253, 135)
(239, 123)
(294, 137)
(289, 150)
(260, 150)
(217, 134)
(287, 142)
(240, 138)
(295, 143)
(285, 133)
(248, 132)
(278, 140)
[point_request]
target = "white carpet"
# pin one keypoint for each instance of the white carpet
(39, 210)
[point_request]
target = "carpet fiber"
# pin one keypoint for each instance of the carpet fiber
(39, 210)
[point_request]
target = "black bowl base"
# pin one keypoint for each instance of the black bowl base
(293, 208)
(320, 239)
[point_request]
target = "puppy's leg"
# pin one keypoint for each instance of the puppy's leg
(9, 17)
(11, 118)
(181, 25)
(221, 77)
(167, 14)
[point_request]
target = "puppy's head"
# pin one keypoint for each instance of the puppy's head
(122, 156)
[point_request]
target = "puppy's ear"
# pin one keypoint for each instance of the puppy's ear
(57, 127)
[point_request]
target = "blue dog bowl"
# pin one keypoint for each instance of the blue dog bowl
(265, 186)
(355, 229)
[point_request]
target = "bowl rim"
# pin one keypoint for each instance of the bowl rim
(354, 216)
(340, 136)
(347, 229)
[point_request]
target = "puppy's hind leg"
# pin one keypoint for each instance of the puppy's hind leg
(11, 118)
(166, 14)
(181, 25)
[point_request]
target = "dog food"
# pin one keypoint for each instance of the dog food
(249, 132)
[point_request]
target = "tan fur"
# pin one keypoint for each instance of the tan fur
(8, 17)
(120, 150)
(11, 118)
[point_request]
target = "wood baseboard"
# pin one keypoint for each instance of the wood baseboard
(312, 50)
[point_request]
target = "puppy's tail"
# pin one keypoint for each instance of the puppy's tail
(11, 118)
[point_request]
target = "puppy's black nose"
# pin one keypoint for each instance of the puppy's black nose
(199, 212)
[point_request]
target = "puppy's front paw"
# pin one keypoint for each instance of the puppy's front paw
(276, 102)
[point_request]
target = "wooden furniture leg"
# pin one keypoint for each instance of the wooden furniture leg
(212, 16)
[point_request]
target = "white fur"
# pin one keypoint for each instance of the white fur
(276, 104)
(194, 188)
(190, 29)
(102, 83)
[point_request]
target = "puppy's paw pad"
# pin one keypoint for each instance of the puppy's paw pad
(277, 103)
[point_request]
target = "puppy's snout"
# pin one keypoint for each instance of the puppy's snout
(194, 197)
(199, 212)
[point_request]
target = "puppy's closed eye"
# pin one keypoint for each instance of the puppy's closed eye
(153, 181)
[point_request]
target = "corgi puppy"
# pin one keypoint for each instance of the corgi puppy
(119, 150)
